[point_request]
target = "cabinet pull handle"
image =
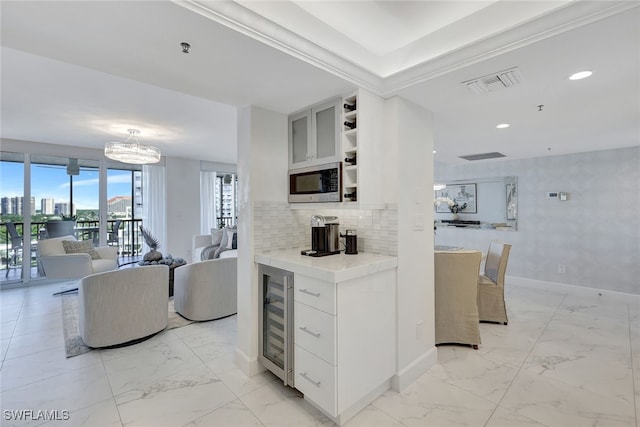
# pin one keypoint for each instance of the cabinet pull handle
(305, 329)
(304, 291)
(306, 377)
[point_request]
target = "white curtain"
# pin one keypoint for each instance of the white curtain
(207, 201)
(154, 203)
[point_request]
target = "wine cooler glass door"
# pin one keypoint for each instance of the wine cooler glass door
(273, 321)
(276, 322)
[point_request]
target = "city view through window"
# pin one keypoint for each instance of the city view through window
(65, 190)
(226, 203)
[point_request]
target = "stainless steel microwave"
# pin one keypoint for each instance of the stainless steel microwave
(322, 183)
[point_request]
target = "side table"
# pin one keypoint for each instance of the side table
(170, 262)
(172, 268)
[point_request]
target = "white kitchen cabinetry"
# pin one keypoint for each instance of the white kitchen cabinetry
(344, 341)
(344, 327)
(314, 135)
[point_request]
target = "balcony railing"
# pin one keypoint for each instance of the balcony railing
(226, 221)
(129, 240)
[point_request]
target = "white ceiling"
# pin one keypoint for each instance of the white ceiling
(81, 73)
(386, 37)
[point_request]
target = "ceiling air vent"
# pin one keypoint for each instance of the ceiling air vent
(494, 81)
(483, 156)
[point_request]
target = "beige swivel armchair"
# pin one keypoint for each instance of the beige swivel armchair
(118, 307)
(491, 304)
(57, 264)
(456, 293)
(206, 290)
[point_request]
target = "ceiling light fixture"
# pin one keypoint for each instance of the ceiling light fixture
(131, 151)
(503, 125)
(581, 75)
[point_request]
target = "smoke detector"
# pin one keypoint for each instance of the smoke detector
(494, 81)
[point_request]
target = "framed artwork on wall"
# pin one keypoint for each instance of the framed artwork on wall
(461, 194)
(512, 198)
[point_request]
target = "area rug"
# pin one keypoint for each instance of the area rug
(73, 342)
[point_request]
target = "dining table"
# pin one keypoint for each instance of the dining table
(87, 233)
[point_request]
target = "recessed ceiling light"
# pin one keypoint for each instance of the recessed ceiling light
(434, 151)
(503, 125)
(580, 75)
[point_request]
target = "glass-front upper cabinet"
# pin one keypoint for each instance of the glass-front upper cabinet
(314, 135)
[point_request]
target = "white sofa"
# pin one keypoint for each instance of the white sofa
(117, 307)
(201, 241)
(206, 290)
(57, 264)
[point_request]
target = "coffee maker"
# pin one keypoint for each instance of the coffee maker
(324, 236)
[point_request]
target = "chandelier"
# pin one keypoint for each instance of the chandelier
(131, 151)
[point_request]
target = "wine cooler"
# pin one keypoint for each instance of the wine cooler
(276, 322)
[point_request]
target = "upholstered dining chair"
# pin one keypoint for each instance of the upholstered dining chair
(491, 304)
(456, 290)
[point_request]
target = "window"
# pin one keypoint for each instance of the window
(219, 200)
(64, 188)
(226, 203)
(12, 210)
(124, 209)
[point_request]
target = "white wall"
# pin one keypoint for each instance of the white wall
(183, 205)
(595, 234)
(263, 164)
(410, 140)
(262, 176)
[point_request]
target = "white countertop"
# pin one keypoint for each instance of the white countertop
(332, 268)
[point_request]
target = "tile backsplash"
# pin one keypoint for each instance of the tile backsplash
(277, 226)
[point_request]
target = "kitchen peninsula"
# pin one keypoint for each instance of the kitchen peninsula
(344, 327)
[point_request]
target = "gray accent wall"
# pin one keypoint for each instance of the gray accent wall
(595, 234)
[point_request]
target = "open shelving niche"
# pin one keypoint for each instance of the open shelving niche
(350, 148)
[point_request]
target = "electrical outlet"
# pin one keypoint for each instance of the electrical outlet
(562, 268)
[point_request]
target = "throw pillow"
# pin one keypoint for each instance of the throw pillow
(209, 252)
(227, 241)
(230, 233)
(216, 236)
(80, 247)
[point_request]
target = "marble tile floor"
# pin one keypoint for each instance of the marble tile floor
(568, 357)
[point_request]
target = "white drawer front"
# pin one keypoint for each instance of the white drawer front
(316, 379)
(315, 330)
(315, 293)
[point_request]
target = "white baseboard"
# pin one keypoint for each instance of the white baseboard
(354, 409)
(250, 366)
(565, 287)
(409, 374)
